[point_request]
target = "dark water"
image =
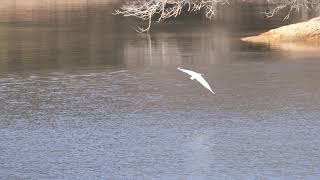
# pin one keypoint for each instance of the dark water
(85, 97)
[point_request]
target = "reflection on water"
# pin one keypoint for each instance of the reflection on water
(312, 48)
(84, 96)
(57, 35)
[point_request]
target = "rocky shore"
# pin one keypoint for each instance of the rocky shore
(308, 32)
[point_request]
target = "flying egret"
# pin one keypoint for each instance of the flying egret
(198, 77)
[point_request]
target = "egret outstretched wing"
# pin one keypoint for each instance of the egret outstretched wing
(191, 73)
(204, 83)
(198, 77)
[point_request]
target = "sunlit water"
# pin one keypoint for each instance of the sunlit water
(85, 97)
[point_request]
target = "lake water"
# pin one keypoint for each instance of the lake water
(83, 96)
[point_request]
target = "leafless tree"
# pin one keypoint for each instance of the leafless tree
(291, 6)
(163, 9)
(147, 9)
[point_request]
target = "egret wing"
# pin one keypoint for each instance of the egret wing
(204, 83)
(191, 73)
(198, 77)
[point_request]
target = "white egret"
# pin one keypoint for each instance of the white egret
(198, 77)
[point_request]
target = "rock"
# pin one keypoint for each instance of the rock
(308, 31)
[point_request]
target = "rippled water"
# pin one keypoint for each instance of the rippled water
(85, 97)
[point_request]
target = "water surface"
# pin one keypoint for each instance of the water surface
(85, 97)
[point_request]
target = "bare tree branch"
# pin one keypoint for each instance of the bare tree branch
(290, 5)
(147, 10)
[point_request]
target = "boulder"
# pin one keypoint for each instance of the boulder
(308, 31)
